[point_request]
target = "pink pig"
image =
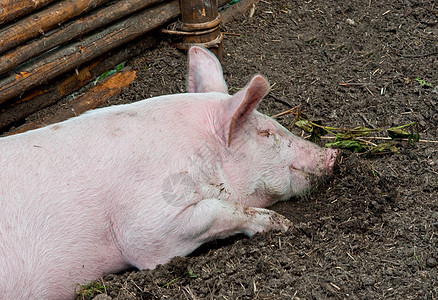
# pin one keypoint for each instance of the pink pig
(138, 184)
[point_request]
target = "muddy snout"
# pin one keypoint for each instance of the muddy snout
(314, 160)
(330, 159)
(327, 164)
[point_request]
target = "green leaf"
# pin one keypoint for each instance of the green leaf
(192, 274)
(352, 145)
(317, 131)
(398, 132)
(423, 82)
(110, 72)
(311, 41)
(413, 138)
(355, 132)
(304, 125)
(385, 147)
(170, 282)
(120, 66)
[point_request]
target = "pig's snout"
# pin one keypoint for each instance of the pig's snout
(314, 160)
(330, 159)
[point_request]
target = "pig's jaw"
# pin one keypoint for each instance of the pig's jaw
(260, 193)
(236, 190)
(301, 182)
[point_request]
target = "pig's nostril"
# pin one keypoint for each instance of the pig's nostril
(331, 155)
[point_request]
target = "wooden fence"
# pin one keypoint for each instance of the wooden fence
(49, 48)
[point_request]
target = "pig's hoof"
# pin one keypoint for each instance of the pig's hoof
(268, 220)
(282, 222)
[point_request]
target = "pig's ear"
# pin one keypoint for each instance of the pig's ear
(205, 72)
(242, 104)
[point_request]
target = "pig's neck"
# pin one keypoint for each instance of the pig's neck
(233, 185)
(218, 175)
(212, 181)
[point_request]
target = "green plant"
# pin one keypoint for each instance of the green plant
(192, 274)
(170, 282)
(358, 138)
(110, 72)
(416, 256)
(90, 289)
(423, 82)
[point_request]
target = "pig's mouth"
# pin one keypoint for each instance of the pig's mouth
(306, 177)
(302, 182)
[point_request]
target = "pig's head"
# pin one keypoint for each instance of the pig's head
(261, 161)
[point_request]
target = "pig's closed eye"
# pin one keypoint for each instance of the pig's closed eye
(265, 133)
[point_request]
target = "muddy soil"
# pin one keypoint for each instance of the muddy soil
(371, 231)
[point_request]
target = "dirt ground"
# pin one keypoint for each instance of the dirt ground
(371, 231)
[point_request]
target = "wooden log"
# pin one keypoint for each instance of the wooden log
(57, 62)
(194, 12)
(13, 9)
(44, 96)
(201, 18)
(74, 29)
(94, 98)
(42, 21)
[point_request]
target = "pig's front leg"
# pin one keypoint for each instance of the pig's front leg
(212, 219)
(197, 224)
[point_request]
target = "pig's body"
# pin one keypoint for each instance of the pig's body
(137, 184)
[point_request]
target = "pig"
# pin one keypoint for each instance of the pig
(135, 185)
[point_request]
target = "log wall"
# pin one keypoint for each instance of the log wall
(49, 49)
